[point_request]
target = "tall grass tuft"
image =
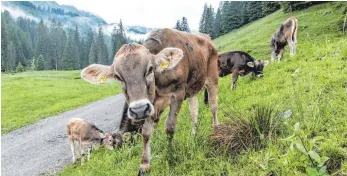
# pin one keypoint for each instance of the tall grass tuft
(250, 131)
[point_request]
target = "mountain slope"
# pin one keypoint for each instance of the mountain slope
(69, 16)
(312, 85)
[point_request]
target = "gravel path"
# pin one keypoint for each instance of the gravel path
(43, 148)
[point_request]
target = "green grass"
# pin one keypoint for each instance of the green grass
(30, 96)
(316, 94)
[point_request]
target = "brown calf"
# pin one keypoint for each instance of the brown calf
(85, 133)
(285, 35)
(169, 67)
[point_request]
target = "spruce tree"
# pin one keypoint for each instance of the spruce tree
(178, 25)
(217, 24)
(92, 54)
(203, 19)
(11, 57)
(100, 47)
(88, 44)
(269, 7)
(115, 42)
(184, 25)
(40, 63)
(4, 43)
(19, 68)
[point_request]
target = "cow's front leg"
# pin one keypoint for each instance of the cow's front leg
(171, 121)
(280, 55)
(235, 75)
(146, 134)
(273, 55)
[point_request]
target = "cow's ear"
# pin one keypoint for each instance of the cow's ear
(265, 63)
(250, 64)
(98, 74)
(168, 59)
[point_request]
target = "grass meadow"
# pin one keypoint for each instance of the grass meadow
(30, 96)
(312, 86)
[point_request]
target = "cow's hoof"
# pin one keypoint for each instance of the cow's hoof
(144, 168)
(141, 172)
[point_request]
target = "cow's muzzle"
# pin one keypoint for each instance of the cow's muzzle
(140, 109)
(259, 74)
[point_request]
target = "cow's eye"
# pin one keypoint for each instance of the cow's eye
(150, 70)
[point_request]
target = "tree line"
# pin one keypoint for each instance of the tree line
(231, 15)
(26, 44)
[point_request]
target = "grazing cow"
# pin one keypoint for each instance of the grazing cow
(88, 136)
(238, 63)
(170, 66)
(285, 35)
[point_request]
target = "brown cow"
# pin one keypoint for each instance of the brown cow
(285, 35)
(169, 67)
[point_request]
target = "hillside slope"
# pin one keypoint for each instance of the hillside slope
(312, 85)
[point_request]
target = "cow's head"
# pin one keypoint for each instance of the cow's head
(257, 67)
(134, 68)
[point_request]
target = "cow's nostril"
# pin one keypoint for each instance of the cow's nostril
(147, 108)
(132, 112)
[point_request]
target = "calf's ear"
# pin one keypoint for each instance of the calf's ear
(168, 59)
(98, 74)
(250, 64)
(265, 63)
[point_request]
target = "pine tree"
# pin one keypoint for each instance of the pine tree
(208, 28)
(92, 54)
(88, 44)
(77, 41)
(42, 44)
(115, 41)
(269, 7)
(178, 25)
(184, 25)
(254, 10)
(60, 45)
(70, 55)
(203, 19)
(4, 43)
(217, 24)
(40, 63)
(100, 47)
(11, 57)
(19, 68)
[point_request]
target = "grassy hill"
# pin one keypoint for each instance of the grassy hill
(312, 85)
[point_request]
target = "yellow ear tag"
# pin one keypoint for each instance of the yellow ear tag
(164, 64)
(102, 79)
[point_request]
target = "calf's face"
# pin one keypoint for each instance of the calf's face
(112, 140)
(134, 68)
(257, 67)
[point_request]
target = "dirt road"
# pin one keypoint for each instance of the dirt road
(43, 148)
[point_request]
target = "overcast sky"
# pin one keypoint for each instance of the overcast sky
(149, 13)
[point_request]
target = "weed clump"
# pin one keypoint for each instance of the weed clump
(251, 131)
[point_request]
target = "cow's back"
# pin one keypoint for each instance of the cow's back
(197, 50)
